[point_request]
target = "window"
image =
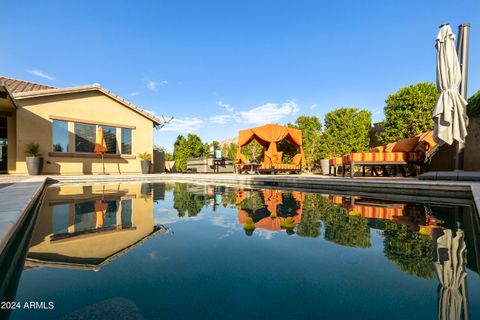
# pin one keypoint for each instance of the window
(110, 134)
(84, 137)
(60, 218)
(126, 141)
(60, 136)
(126, 214)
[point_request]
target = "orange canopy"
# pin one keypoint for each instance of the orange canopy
(272, 199)
(269, 133)
(268, 136)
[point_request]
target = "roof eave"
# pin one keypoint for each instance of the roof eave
(57, 91)
(9, 94)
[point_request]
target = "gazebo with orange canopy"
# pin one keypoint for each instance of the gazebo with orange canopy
(272, 222)
(268, 136)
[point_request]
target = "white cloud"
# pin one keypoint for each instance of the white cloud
(269, 112)
(313, 106)
(228, 107)
(41, 74)
(154, 85)
(184, 125)
(134, 93)
(150, 111)
(220, 119)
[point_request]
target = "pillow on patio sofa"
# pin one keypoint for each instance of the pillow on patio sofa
(426, 143)
(378, 149)
(405, 145)
(297, 159)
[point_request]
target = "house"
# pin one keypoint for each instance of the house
(86, 227)
(63, 121)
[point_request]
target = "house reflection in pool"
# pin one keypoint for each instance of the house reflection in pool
(269, 209)
(85, 227)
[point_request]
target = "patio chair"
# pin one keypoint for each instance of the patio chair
(334, 163)
(412, 152)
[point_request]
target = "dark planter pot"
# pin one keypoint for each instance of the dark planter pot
(34, 165)
(145, 166)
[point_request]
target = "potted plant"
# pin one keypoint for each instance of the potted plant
(33, 159)
(146, 161)
(325, 154)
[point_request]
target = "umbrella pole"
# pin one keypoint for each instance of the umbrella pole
(103, 164)
(462, 52)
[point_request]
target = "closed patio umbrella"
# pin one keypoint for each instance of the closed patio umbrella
(449, 113)
(100, 211)
(100, 145)
(450, 269)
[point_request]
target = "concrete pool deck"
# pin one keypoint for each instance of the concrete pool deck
(20, 193)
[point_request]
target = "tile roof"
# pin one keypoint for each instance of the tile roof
(23, 89)
(15, 85)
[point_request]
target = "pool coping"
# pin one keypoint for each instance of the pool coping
(16, 200)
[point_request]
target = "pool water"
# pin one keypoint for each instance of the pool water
(192, 251)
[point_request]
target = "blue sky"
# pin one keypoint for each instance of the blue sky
(221, 66)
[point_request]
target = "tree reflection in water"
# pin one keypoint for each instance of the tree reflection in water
(187, 203)
(411, 251)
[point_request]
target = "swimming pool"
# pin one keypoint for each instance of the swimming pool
(176, 250)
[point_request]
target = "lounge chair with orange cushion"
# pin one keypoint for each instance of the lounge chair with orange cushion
(334, 163)
(411, 151)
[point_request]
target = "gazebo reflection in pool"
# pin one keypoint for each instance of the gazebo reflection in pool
(269, 209)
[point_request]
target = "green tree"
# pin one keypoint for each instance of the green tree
(408, 112)
(191, 147)
(253, 151)
(346, 130)
(187, 203)
(180, 153)
(288, 149)
(311, 138)
(310, 225)
(229, 150)
(411, 252)
(340, 228)
(473, 108)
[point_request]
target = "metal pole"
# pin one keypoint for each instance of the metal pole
(462, 49)
(462, 52)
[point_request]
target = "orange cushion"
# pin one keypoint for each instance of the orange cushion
(378, 149)
(297, 159)
(365, 157)
(286, 166)
(426, 143)
(335, 161)
(405, 145)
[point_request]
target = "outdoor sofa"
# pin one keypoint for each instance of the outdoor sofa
(403, 155)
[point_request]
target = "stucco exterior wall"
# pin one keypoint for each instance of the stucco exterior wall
(34, 124)
(92, 245)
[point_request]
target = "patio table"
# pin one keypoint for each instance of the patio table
(253, 167)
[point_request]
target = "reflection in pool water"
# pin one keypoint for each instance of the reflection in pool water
(238, 251)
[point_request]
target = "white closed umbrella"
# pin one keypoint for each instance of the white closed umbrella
(449, 113)
(450, 268)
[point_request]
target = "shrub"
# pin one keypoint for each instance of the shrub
(346, 130)
(408, 112)
(473, 108)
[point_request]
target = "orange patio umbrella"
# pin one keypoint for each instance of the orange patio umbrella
(100, 145)
(100, 210)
